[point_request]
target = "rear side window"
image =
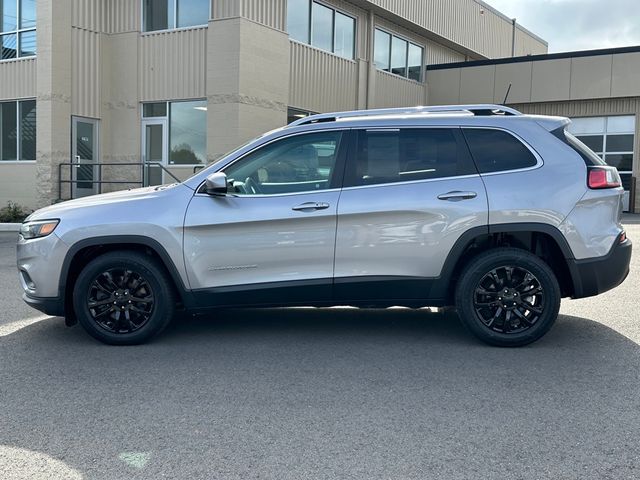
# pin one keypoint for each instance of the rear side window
(497, 150)
(390, 156)
(586, 152)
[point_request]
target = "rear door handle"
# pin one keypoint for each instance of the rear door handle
(457, 196)
(311, 207)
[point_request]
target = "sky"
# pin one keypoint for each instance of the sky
(577, 24)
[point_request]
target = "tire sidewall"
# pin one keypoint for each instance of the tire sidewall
(150, 271)
(486, 262)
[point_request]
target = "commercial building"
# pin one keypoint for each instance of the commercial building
(599, 90)
(89, 90)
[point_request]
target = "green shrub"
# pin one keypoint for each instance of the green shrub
(13, 213)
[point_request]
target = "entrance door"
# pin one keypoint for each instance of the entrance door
(154, 150)
(85, 156)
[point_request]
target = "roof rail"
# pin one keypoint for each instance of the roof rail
(478, 110)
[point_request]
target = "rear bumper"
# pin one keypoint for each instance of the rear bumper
(48, 306)
(595, 276)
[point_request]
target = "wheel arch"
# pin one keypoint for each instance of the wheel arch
(543, 240)
(83, 251)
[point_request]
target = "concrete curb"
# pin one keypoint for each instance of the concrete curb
(10, 227)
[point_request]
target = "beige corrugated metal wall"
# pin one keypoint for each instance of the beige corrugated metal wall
(173, 65)
(461, 22)
(394, 91)
(321, 81)
(18, 79)
(122, 16)
(89, 14)
(86, 71)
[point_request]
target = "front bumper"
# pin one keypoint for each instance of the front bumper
(49, 306)
(595, 276)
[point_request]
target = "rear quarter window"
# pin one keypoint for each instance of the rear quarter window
(498, 151)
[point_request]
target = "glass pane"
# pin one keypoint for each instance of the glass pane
(28, 44)
(322, 27)
(150, 110)
(193, 13)
(623, 162)
(8, 15)
(415, 62)
(398, 56)
(345, 36)
(8, 131)
(28, 130)
(153, 151)
(158, 14)
(301, 163)
(84, 140)
(9, 46)
(188, 133)
(624, 124)
(581, 126)
(382, 50)
(298, 19)
(408, 155)
(620, 143)
(27, 13)
(496, 151)
(594, 142)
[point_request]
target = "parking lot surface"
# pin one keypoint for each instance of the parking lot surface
(322, 394)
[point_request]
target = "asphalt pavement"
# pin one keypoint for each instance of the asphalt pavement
(321, 394)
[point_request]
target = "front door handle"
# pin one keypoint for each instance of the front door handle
(311, 207)
(457, 196)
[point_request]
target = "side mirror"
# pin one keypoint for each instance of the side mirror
(216, 184)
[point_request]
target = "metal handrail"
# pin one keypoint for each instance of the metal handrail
(143, 166)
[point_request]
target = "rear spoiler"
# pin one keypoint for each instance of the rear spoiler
(551, 124)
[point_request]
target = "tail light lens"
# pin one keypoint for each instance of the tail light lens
(604, 177)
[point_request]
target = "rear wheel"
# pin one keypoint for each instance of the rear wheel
(508, 297)
(123, 298)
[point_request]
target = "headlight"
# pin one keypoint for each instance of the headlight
(38, 229)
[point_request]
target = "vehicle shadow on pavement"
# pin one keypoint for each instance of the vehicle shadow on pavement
(323, 393)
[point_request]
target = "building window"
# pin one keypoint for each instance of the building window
(18, 131)
(187, 130)
(170, 14)
(398, 56)
(17, 29)
(613, 139)
(321, 26)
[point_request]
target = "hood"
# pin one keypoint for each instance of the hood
(60, 209)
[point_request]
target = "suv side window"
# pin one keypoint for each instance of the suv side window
(402, 155)
(299, 163)
(497, 150)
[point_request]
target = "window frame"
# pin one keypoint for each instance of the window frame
(19, 130)
(18, 33)
(333, 30)
(393, 35)
(605, 134)
(344, 149)
(349, 179)
(175, 22)
(536, 155)
(167, 119)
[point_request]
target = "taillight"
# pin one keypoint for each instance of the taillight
(604, 177)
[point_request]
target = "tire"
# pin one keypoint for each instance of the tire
(132, 298)
(508, 297)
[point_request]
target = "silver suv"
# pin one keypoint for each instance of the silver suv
(478, 206)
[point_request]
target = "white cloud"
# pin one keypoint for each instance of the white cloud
(577, 24)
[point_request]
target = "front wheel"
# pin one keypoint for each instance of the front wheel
(123, 298)
(508, 297)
